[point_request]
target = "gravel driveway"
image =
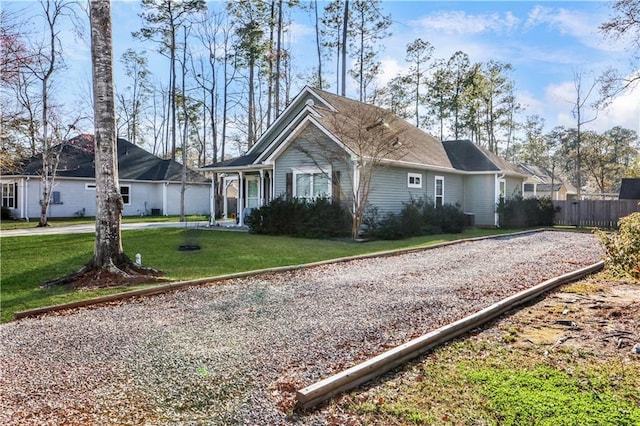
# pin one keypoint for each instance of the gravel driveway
(234, 352)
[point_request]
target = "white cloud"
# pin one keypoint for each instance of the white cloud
(301, 34)
(459, 22)
(575, 23)
(623, 111)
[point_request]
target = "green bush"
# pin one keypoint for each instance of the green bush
(519, 212)
(622, 248)
(419, 217)
(299, 218)
(6, 214)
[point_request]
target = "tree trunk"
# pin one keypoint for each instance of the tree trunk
(345, 27)
(109, 205)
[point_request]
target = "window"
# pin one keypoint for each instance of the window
(438, 192)
(414, 180)
(125, 191)
(311, 184)
(9, 191)
(502, 185)
(528, 187)
(55, 197)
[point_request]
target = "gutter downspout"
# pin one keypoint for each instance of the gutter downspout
(497, 198)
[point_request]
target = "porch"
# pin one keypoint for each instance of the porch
(235, 191)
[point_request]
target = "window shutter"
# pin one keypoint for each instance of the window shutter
(335, 186)
(56, 197)
(289, 187)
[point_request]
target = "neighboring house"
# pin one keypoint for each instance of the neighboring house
(543, 183)
(302, 154)
(630, 189)
(149, 184)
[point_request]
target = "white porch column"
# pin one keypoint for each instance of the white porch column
(225, 201)
(240, 198)
(212, 198)
(261, 188)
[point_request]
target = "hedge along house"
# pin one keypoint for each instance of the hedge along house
(149, 185)
(330, 146)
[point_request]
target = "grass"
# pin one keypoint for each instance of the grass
(29, 261)
(477, 381)
(6, 225)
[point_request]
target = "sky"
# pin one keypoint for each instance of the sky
(547, 43)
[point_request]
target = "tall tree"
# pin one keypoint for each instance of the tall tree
(534, 147)
(368, 27)
(460, 73)
(418, 54)
(46, 61)
(607, 156)
(131, 101)
(163, 20)
(250, 51)
(331, 34)
(623, 26)
(439, 87)
(109, 263)
(580, 111)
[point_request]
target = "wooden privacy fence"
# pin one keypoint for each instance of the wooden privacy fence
(594, 213)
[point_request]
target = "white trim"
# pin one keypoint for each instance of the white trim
(311, 171)
(435, 190)
(128, 195)
(294, 104)
(413, 177)
(90, 186)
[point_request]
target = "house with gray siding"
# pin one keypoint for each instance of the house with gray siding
(324, 145)
(149, 185)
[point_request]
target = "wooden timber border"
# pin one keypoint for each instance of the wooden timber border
(166, 288)
(348, 379)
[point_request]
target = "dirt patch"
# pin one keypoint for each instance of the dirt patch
(594, 315)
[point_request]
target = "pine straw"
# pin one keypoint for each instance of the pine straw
(235, 352)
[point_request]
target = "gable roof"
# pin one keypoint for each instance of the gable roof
(415, 145)
(77, 160)
(467, 156)
(630, 189)
(545, 177)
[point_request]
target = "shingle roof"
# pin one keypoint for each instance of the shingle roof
(134, 163)
(630, 189)
(467, 156)
(415, 145)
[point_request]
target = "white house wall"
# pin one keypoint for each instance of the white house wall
(196, 199)
(389, 188)
(479, 198)
(513, 187)
(311, 149)
(76, 199)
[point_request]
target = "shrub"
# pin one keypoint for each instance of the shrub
(622, 248)
(6, 214)
(519, 212)
(419, 217)
(311, 219)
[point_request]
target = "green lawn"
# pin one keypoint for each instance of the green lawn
(29, 261)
